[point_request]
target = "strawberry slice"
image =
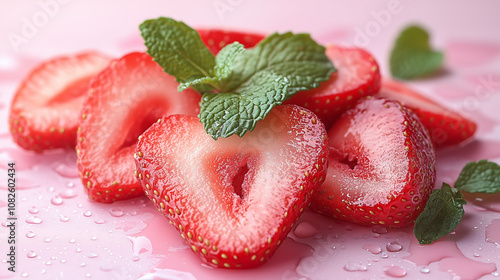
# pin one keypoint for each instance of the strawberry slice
(381, 166)
(42, 114)
(123, 101)
(357, 75)
(446, 127)
(192, 180)
(216, 39)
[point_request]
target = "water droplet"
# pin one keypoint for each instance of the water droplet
(72, 241)
(30, 234)
(56, 200)
(78, 250)
(4, 223)
(31, 254)
(135, 258)
(47, 240)
(48, 263)
(93, 238)
(349, 228)
(394, 247)
(25, 274)
(355, 266)
(51, 189)
(379, 229)
(425, 270)
(79, 205)
(116, 212)
(70, 185)
(33, 210)
(88, 275)
(372, 248)
(99, 221)
(69, 193)
(91, 255)
(87, 213)
(63, 218)
(34, 220)
(83, 264)
(395, 271)
(106, 267)
(62, 261)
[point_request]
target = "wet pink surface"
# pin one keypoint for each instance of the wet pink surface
(63, 235)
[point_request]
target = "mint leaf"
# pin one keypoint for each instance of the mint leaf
(412, 56)
(479, 177)
(294, 56)
(224, 114)
(441, 214)
(221, 70)
(177, 48)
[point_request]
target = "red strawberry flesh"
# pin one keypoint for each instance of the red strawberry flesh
(357, 75)
(381, 166)
(123, 101)
(189, 177)
(42, 114)
(446, 127)
(216, 39)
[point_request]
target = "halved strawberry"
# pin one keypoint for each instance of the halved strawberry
(357, 75)
(446, 127)
(381, 166)
(42, 114)
(123, 101)
(216, 39)
(191, 179)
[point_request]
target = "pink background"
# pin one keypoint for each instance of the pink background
(63, 235)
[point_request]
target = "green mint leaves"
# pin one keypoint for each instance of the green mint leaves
(441, 214)
(444, 209)
(412, 56)
(479, 177)
(239, 86)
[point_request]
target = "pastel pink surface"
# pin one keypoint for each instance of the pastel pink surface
(61, 234)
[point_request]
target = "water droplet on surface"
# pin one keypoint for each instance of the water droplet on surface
(99, 221)
(379, 229)
(106, 267)
(395, 271)
(25, 274)
(394, 247)
(354, 266)
(34, 220)
(70, 185)
(48, 263)
(62, 261)
(56, 200)
(63, 218)
(87, 213)
(72, 241)
(33, 210)
(135, 258)
(69, 193)
(372, 248)
(83, 264)
(47, 240)
(30, 234)
(51, 189)
(93, 238)
(116, 212)
(31, 254)
(91, 255)
(78, 250)
(425, 270)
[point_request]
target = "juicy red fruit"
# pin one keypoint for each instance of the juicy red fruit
(381, 166)
(123, 101)
(357, 76)
(230, 222)
(446, 127)
(216, 39)
(42, 114)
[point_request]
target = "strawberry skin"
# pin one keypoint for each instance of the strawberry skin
(42, 114)
(195, 182)
(446, 127)
(216, 39)
(123, 101)
(357, 76)
(381, 166)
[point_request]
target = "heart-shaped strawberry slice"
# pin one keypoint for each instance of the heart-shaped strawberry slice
(195, 182)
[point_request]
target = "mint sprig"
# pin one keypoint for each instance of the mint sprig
(239, 86)
(412, 55)
(444, 209)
